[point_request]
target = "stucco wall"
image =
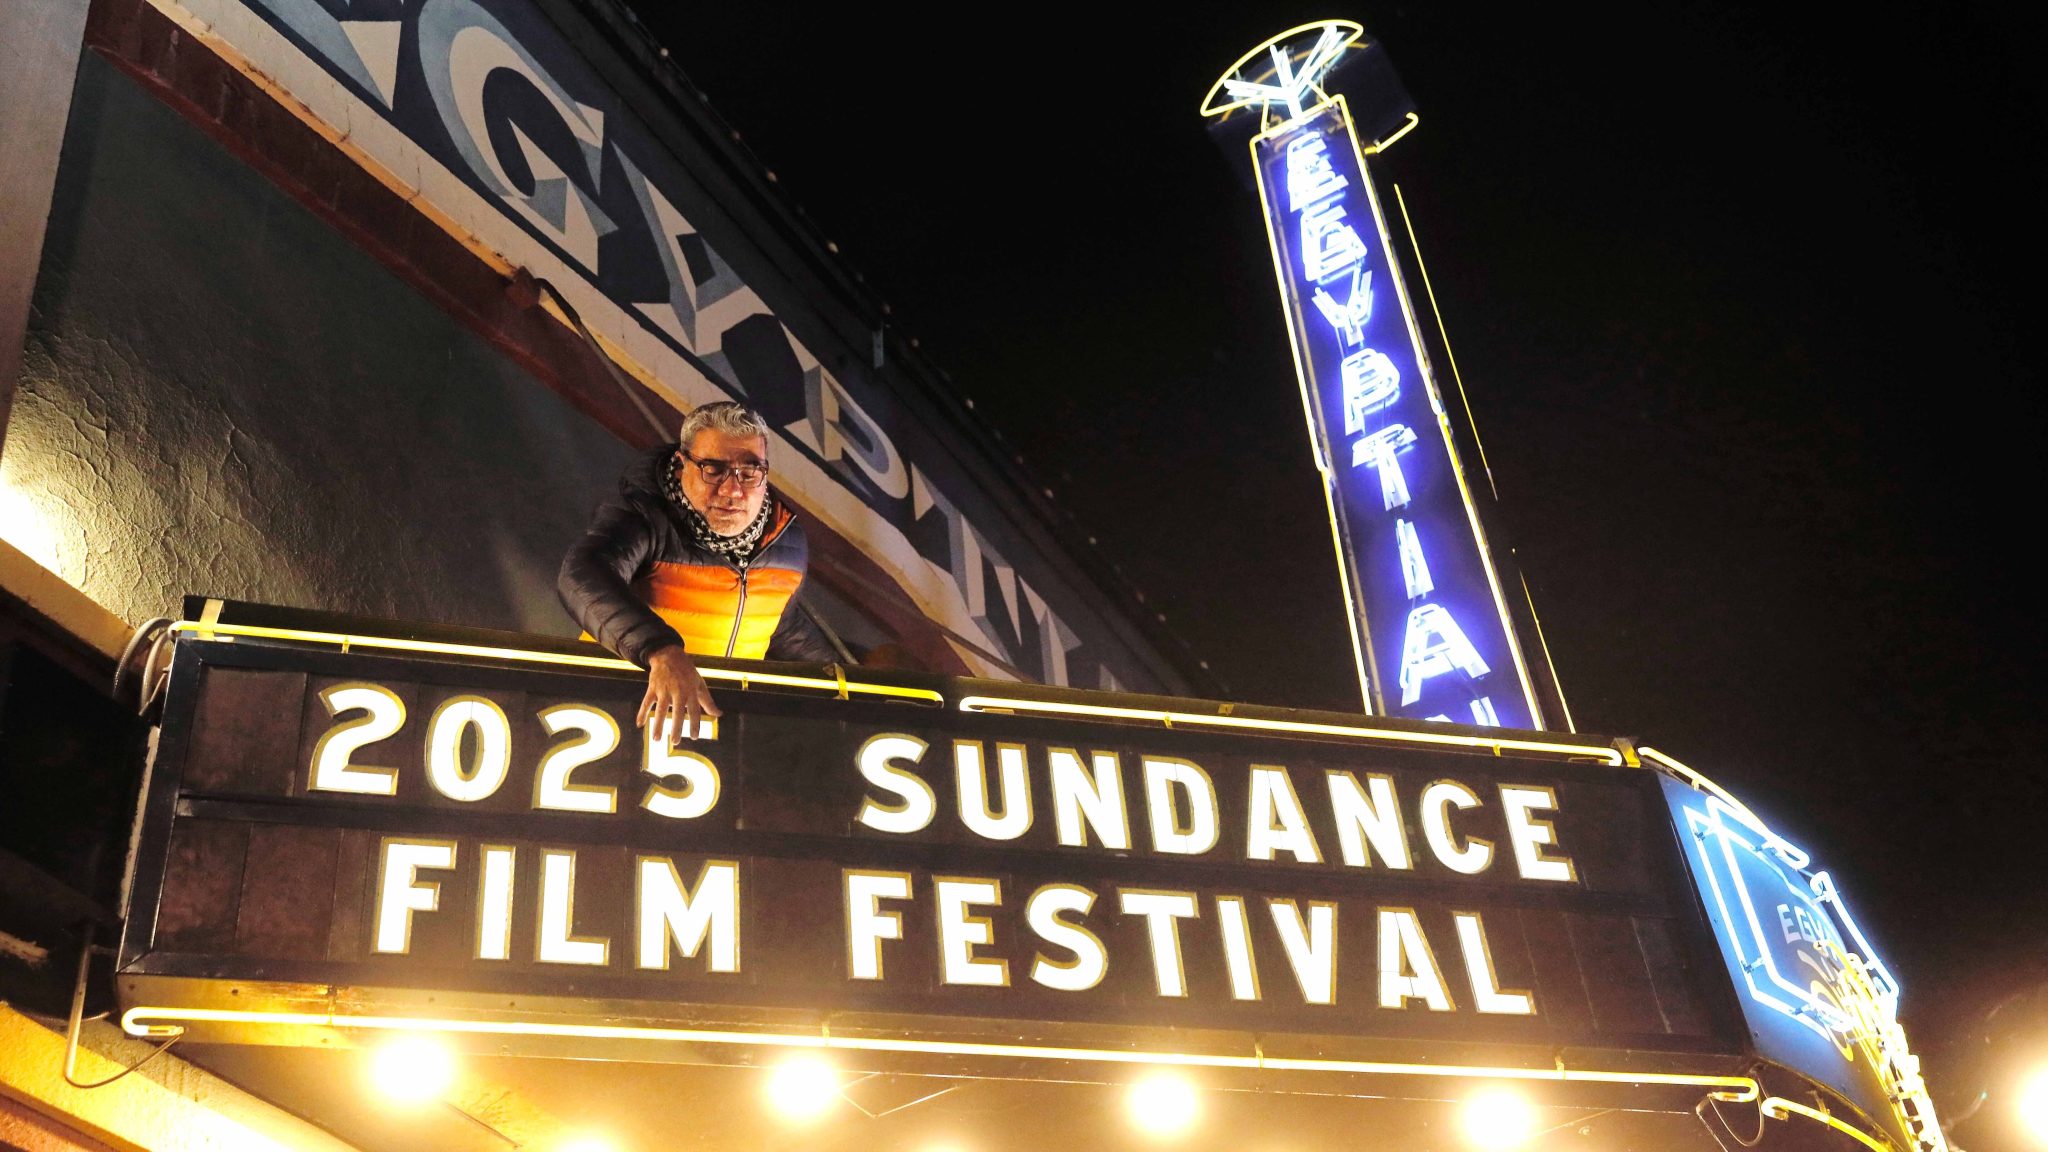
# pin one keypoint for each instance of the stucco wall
(222, 395)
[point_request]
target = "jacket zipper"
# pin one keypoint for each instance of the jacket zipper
(738, 614)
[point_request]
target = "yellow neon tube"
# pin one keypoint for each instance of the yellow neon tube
(1778, 1108)
(1210, 107)
(1169, 719)
(138, 1022)
(1407, 126)
(1741, 811)
(347, 641)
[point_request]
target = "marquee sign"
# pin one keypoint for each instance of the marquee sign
(353, 833)
(1429, 621)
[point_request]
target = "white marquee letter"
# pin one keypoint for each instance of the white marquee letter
(384, 715)
(971, 773)
(1407, 969)
(1486, 991)
(866, 924)
(699, 775)
(1091, 959)
(1276, 822)
(915, 805)
(1528, 835)
(558, 944)
(1097, 795)
(400, 891)
(1311, 946)
(1162, 776)
(960, 933)
(1163, 912)
(1362, 820)
(494, 905)
(1437, 799)
(709, 910)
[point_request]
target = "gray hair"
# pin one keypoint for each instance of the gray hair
(726, 416)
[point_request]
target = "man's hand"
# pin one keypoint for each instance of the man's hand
(676, 696)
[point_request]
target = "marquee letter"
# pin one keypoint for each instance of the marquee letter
(708, 910)
(400, 892)
(558, 915)
(1276, 822)
(1527, 835)
(1237, 948)
(551, 787)
(699, 775)
(960, 933)
(444, 748)
(1407, 969)
(866, 924)
(837, 429)
(1097, 795)
(1437, 799)
(494, 904)
(384, 714)
(1375, 820)
(1162, 776)
(1486, 991)
(915, 804)
(1091, 959)
(1311, 947)
(1163, 912)
(971, 774)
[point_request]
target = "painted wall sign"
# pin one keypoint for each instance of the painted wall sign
(494, 831)
(496, 125)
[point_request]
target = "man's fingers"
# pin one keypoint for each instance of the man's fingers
(646, 707)
(686, 721)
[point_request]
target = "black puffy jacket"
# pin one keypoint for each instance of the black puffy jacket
(638, 583)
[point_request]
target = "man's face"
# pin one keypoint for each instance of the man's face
(727, 505)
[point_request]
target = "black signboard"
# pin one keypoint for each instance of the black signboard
(359, 833)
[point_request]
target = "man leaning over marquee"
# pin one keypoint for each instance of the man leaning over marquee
(694, 556)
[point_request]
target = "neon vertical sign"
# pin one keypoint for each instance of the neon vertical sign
(1429, 624)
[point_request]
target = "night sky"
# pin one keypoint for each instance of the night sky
(1737, 300)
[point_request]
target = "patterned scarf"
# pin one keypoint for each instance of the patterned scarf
(739, 547)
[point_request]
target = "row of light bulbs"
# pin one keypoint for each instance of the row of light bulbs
(801, 1088)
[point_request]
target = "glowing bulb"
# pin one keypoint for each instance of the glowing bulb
(1163, 1104)
(412, 1069)
(1497, 1118)
(2033, 1105)
(803, 1087)
(586, 1143)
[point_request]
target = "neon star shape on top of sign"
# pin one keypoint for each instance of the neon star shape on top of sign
(1284, 71)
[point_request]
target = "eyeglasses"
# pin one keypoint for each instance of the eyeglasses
(716, 472)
